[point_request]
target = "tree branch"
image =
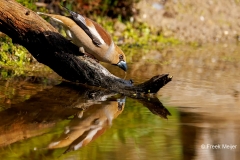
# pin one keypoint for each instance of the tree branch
(42, 40)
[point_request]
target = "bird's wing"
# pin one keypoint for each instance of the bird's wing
(89, 30)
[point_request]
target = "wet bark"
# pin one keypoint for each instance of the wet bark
(49, 47)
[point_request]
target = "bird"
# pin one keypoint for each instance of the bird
(91, 38)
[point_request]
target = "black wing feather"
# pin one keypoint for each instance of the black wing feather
(75, 17)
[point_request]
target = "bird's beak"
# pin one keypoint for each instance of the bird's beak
(122, 65)
(121, 102)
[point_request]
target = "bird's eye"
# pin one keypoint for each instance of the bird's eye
(121, 57)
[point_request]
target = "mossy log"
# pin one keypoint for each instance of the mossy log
(49, 47)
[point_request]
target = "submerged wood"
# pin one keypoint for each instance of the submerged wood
(49, 47)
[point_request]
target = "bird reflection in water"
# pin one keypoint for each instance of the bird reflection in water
(88, 125)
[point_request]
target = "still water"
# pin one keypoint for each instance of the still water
(196, 116)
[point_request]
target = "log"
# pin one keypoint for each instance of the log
(49, 47)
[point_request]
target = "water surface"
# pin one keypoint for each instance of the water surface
(45, 118)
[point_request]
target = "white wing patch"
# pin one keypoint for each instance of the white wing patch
(96, 34)
(91, 31)
(82, 19)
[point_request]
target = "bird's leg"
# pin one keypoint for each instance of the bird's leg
(81, 49)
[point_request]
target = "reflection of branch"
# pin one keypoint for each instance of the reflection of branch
(93, 114)
(31, 117)
(155, 106)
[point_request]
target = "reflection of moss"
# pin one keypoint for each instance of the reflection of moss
(136, 130)
(36, 147)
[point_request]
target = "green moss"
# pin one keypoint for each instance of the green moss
(16, 57)
(28, 3)
(12, 55)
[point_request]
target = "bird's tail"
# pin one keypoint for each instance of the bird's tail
(71, 12)
(66, 8)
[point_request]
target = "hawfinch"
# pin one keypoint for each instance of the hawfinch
(91, 38)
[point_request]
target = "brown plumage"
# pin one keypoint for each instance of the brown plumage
(91, 37)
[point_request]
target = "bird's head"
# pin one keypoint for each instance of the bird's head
(119, 58)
